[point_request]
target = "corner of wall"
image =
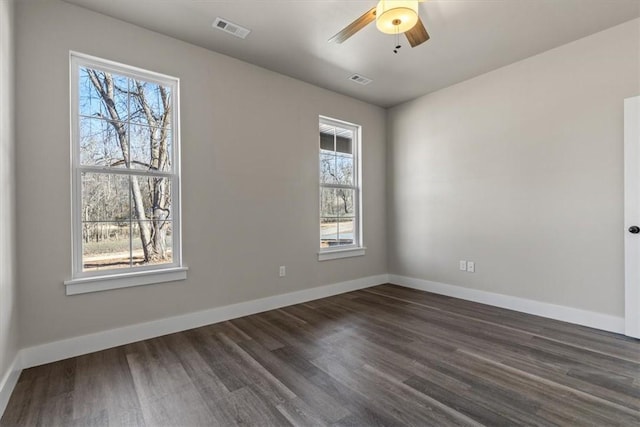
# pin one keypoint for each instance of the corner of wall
(9, 354)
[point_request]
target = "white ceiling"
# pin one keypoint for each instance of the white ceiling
(468, 37)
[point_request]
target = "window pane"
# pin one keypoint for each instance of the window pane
(328, 202)
(103, 95)
(105, 245)
(151, 198)
(157, 238)
(99, 143)
(327, 139)
(346, 235)
(150, 104)
(90, 100)
(344, 169)
(344, 141)
(150, 148)
(328, 232)
(345, 201)
(105, 197)
(328, 173)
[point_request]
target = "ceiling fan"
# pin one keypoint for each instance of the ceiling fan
(392, 17)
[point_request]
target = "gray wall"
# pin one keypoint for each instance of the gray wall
(519, 170)
(8, 287)
(250, 177)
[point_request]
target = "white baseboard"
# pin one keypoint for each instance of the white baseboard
(9, 381)
(59, 350)
(577, 316)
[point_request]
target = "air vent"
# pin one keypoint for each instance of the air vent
(361, 80)
(231, 28)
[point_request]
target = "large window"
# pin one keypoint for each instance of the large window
(126, 175)
(340, 211)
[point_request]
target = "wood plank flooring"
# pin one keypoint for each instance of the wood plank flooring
(380, 356)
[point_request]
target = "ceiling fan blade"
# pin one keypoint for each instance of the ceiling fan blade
(417, 35)
(355, 26)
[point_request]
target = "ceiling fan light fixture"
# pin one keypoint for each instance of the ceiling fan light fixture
(396, 16)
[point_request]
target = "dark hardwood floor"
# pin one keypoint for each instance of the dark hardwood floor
(380, 356)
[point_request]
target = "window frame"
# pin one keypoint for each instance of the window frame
(90, 281)
(357, 248)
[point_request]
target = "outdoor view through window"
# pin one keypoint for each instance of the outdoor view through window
(339, 191)
(124, 170)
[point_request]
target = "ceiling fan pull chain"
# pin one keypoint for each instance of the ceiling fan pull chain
(398, 45)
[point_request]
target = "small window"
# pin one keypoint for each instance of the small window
(340, 192)
(126, 171)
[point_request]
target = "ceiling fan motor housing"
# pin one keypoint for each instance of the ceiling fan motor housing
(396, 16)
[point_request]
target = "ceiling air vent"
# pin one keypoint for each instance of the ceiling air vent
(231, 28)
(361, 80)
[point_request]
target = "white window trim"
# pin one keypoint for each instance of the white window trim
(125, 280)
(340, 253)
(358, 248)
(94, 281)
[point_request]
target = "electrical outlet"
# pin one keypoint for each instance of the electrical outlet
(463, 265)
(471, 266)
(283, 271)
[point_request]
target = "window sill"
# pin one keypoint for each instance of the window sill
(340, 253)
(126, 280)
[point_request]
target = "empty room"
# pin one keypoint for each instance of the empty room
(319, 212)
